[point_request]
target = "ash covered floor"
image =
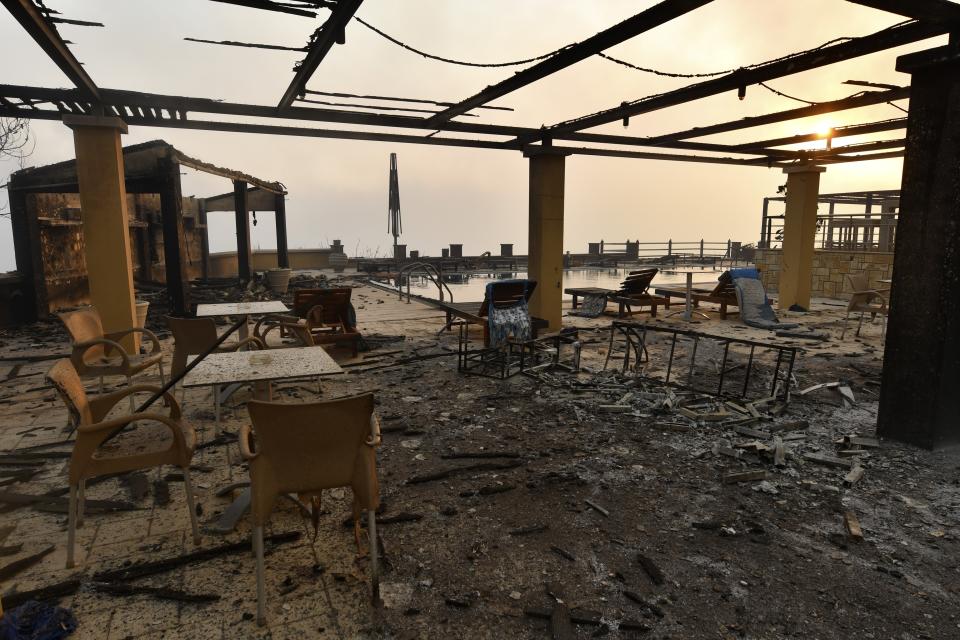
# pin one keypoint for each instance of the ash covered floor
(638, 518)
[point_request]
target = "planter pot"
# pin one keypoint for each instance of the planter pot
(338, 261)
(278, 280)
(142, 307)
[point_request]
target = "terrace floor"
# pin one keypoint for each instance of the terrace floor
(673, 551)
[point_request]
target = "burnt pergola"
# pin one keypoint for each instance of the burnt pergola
(918, 401)
(929, 18)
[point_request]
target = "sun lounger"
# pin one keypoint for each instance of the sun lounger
(755, 309)
(723, 294)
(633, 292)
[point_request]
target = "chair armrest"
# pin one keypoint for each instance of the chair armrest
(100, 406)
(155, 343)
(101, 431)
(374, 439)
(244, 438)
(79, 348)
(255, 342)
(873, 293)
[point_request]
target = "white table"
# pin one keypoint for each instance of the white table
(245, 309)
(688, 310)
(261, 368)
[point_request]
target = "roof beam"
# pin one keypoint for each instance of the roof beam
(329, 34)
(270, 6)
(853, 102)
(836, 132)
(644, 21)
(33, 22)
(879, 41)
(927, 10)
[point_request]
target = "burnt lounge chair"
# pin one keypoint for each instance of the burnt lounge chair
(511, 344)
(633, 292)
(723, 294)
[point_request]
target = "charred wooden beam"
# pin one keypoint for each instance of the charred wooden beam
(334, 94)
(40, 29)
(330, 33)
(928, 10)
(853, 102)
(271, 6)
(644, 21)
(837, 132)
(886, 39)
(252, 45)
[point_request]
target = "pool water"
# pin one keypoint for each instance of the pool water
(470, 287)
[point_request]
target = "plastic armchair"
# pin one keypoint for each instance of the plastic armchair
(93, 456)
(307, 447)
(97, 354)
(864, 300)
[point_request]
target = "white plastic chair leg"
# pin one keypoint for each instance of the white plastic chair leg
(374, 556)
(162, 379)
(72, 525)
(261, 588)
(188, 486)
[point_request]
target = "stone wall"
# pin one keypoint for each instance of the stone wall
(829, 270)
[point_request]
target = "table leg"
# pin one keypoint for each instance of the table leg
(244, 331)
(688, 307)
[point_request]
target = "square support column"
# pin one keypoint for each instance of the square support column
(545, 243)
(280, 221)
(799, 235)
(174, 239)
(244, 253)
(106, 221)
(919, 399)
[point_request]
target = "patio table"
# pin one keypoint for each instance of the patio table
(688, 310)
(261, 368)
(244, 309)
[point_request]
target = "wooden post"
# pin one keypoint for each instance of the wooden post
(174, 239)
(204, 236)
(919, 403)
(244, 253)
(280, 218)
(106, 221)
(764, 239)
(545, 240)
(26, 249)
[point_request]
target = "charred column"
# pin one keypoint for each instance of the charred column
(174, 239)
(919, 399)
(26, 248)
(280, 219)
(244, 254)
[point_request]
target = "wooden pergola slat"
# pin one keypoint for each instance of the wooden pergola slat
(644, 21)
(879, 41)
(40, 29)
(331, 33)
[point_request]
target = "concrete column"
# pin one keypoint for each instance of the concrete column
(888, 216)
(280, 219)
(799, 235)
(919, 402)
(545, 243)
(103, 206)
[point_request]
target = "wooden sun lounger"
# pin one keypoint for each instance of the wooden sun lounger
(723, 294)
(626, 303)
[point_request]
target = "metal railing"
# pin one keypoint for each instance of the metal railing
(701, 249)
(426, 270)
(869, 232)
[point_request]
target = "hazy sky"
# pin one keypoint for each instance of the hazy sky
(338, 189)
